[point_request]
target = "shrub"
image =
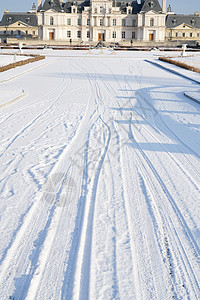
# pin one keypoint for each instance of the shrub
(179, 64)
(22, 62)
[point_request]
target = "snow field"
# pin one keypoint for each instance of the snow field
(99, 181)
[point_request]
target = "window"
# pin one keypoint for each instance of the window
(101, 9)
(28, 20)
(9, 19)
(151, 22)
(79, 22)
(74, 10)
(114, 35)
(88, 34)
(114, 22)
(151, 4)
(123, 22)
(190, 34)
(18, 32)
(129, 11)
(95, 10)
(134, 22)
(68, 21)
(68, 33)
(26, 32)
(183, 34)
(174, 21)
(51, 20)
(11, 31)
(133, 34)
(123, 34)
(33, 32)
(101, 22)
(176, 34)
(198, 34)
(79, 34)
(88, 22)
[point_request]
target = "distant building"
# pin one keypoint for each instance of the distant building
(15, 26)
(183, 28)
(107, 21)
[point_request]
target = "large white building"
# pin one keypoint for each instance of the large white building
(105, 20)
(91, 21)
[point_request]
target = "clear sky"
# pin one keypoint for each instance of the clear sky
(178, 6)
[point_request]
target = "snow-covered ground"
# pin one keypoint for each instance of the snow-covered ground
(99, 179)
(191, 60)
(9, 59)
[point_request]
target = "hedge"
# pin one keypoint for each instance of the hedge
(179, 64)
(22, 63)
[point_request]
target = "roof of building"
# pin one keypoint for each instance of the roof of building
(151, 5)
(52, 4)
(79, 3)
(136, 8)
(28, 18)
(176, 20)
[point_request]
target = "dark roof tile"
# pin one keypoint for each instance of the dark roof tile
(28, 18)
(176, 20)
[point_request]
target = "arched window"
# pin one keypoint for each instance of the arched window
(51, 20)
(151, 22)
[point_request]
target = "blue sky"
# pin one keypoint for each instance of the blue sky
(178, 6)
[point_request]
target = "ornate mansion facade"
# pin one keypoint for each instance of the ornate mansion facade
(91, 21)
(106, 20)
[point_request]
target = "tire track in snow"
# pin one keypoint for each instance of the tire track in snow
(17, 244)
(77, 277)
(178, 215)
(83, 264)
(177, 245)
(17, 135)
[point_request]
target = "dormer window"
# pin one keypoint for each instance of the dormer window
(28, 20)
(9, 19)
(192, 22)
(174, 21)
(73, 10)
(151, 4)
(51, 3)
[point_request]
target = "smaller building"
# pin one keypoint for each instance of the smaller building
(183, 28)
(19, 26)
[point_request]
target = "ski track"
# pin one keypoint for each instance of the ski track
(19, 237)
(108, 152)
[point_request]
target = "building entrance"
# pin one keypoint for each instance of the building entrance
(151, 37)
(101, 37)
(51, 36)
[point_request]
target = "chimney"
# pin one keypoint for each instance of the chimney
(39, 4)
(164, 5)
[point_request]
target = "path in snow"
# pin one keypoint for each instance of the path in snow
(99, 182)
